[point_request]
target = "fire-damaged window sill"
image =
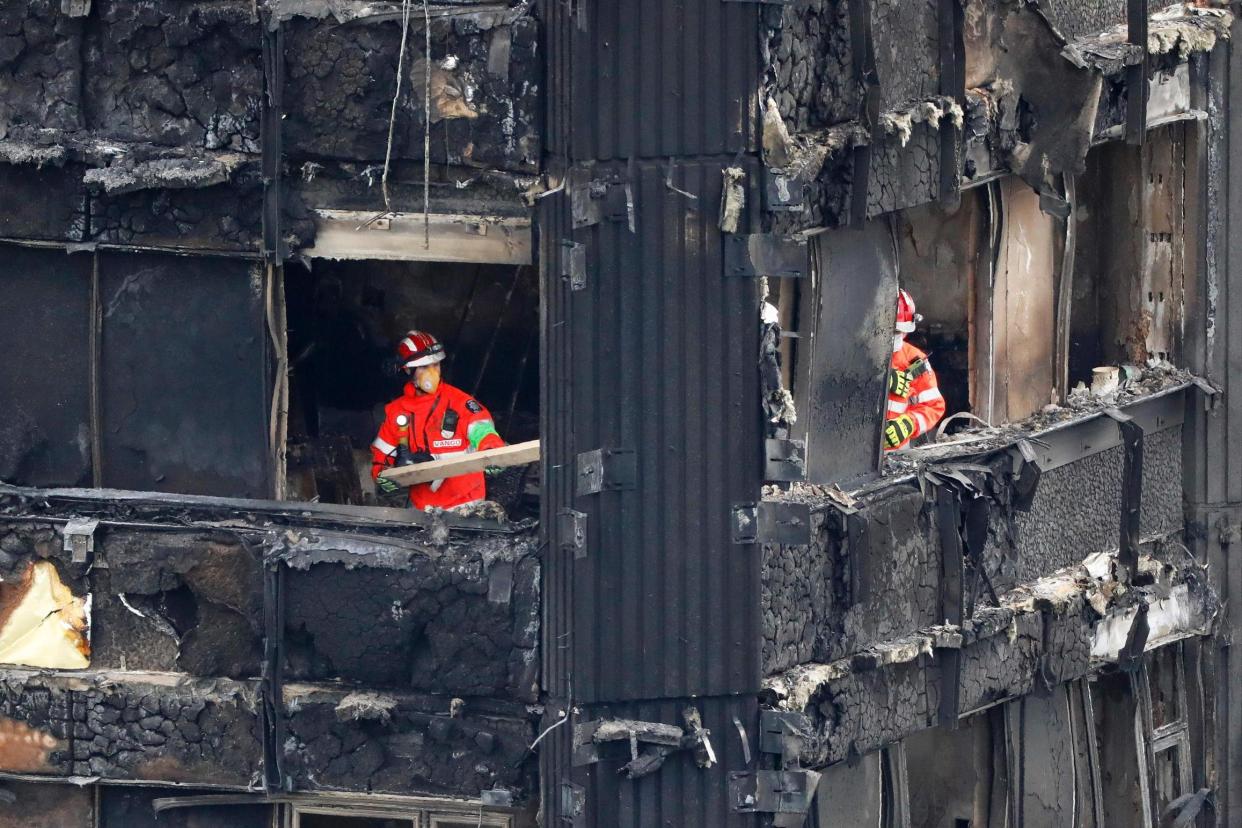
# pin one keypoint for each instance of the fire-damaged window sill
(130, 507)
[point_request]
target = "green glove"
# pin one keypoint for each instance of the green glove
(387, 486)
(492, 471)
(899, 383)
(898, 430)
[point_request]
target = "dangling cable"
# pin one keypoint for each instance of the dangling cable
(392, 117)
(427, 133)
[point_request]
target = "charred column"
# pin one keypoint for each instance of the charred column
(1213, 486)
(652, 428)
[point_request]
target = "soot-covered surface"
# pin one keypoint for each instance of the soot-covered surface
(379, 615)
(405, 743)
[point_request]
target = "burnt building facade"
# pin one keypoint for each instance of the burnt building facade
(666, 240)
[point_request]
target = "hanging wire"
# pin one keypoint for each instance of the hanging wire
(427, 131)
(392, 116)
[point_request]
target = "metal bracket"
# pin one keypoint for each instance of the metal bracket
(573, 531)
(496, 798)
(783, 193)
(785, 461)
(585, 197)
(80, 539)
(1026, 476)
(500, 583)
(785, 793)
(762, 254)
(573, 264)
(1210, 393)
(607, 470)
(782, 524)
(781, 732)
(1131, 488)
(858, 534)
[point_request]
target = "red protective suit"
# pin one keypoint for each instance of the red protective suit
(445, 423)
(925, 404)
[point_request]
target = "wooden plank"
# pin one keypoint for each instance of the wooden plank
(516, 455)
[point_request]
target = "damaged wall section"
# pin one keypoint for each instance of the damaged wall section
(381, 613)
(873, 570)
(159, 728)
(404, 743)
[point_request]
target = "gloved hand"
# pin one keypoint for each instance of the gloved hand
(386, 486)
(492, 471)
(405, 457)
(898, 430)
(899, 383)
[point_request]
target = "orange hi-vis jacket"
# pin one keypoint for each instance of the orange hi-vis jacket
(444, 424)
(925, 405)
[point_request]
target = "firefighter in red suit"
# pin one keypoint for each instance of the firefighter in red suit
(431, 420)
(915, 404)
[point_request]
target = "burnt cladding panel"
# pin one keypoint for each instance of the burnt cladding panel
(661, 352)
(45, 376)
(907, 50)
(851, 349)
(1076, 18)
(184, 402)
(52, 202)
(667, 78)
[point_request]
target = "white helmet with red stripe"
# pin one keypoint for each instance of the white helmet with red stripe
(907, 316)
(418, 349)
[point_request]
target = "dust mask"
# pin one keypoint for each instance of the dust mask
(427, 378)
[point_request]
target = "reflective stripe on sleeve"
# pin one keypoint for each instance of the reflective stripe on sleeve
(383, 446)
(927, 396)
(895, 407)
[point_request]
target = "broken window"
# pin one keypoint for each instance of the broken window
(1131, 258)
(124, 382)
(983, 274)
(344, 319)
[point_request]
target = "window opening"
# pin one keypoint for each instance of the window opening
(1131, 260)
(345, 319)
